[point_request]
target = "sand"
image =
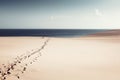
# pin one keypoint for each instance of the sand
(84, 58)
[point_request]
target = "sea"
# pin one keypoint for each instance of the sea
(49, 32)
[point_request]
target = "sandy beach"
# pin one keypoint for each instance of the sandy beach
(84, 58)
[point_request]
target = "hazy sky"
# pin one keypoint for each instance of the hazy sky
(70, 14)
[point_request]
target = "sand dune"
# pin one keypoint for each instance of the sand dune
(112, 36)
(107, 33)
(85, 58)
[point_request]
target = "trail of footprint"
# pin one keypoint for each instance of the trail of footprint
(8, 69)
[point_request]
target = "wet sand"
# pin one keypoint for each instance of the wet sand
(85, 58)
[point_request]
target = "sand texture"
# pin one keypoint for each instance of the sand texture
(38, 58)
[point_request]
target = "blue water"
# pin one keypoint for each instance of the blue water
(49, 32)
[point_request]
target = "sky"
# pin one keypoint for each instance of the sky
(59, 14)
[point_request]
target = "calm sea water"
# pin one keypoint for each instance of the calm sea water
(49, 32)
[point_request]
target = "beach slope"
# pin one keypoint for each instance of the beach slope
(83, 58)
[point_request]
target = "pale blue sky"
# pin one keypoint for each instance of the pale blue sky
(60, 14)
